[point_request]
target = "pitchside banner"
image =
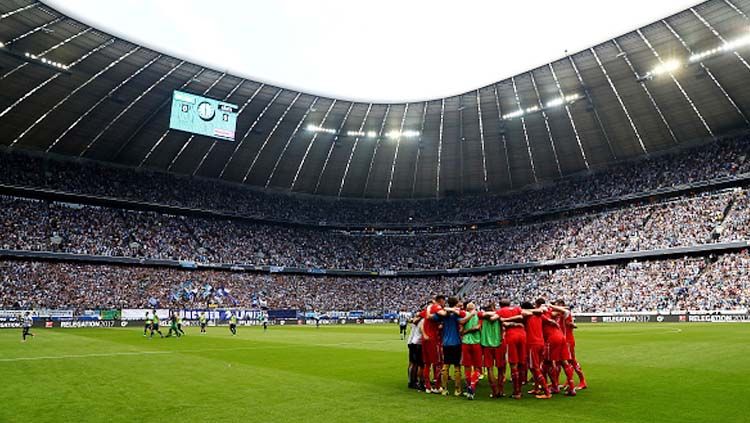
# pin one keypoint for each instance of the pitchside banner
(130, 314)
(222, 314)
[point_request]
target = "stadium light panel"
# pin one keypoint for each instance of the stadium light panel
(668, 66)
(555, 103)
(372, 134)
(405, 134)
(727, 46)
(2, 44)
(512, 115)
(320, 129)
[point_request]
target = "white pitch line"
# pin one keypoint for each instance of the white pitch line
(132, 353)
(58, 357)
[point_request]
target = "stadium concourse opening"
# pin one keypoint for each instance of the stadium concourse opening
(569, 241)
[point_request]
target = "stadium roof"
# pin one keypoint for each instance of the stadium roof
(70, 89)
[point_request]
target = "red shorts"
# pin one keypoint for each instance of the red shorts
(536, 355)
(558, 349)
(516, 343)
(494, 356)
(432, 351)
(471, 355)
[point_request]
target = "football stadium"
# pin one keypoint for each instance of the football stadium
(180, 242)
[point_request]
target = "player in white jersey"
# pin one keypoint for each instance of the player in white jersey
(403, 319)
(28, 322)
(415, 354)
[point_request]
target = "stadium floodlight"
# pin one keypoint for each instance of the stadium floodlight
(405, 134)
(316, 128)
(355, 133)
(727, 46)
(512, 115)
(668, 66)
(556, 102)
(372, 134)
(2, 44)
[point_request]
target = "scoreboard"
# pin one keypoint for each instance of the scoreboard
(203, 116)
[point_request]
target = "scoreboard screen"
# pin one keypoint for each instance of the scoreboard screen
(203, 116)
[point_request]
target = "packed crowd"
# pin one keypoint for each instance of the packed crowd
(63, 286)
(681, 284)
(725, 158)
(48, 226)
(687, 284)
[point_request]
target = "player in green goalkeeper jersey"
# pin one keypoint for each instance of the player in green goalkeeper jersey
(155, 326)
(233, 323)
(173, 326)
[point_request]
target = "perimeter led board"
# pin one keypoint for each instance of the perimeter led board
(203, 116)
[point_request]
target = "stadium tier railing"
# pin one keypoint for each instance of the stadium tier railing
(595, 260)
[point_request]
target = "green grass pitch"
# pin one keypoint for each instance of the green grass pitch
(636, 373)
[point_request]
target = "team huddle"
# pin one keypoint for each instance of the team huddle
(533, 338)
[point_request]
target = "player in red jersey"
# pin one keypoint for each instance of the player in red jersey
(558, 347)
(515, 342)
(471, 349)
(432, 352)
(533, 322)
(568, 326)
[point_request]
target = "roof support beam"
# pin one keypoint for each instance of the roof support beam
(503, 138)
(333, 144)
(184, 146)
(481, 140)
(570, 116)
(53, 77)
(377, 144)
(239, 113)
(72, 93)
(270, 133)
(19, 10)
(619, 100)
(440, 148)
(719, 36)
(354, 148)
(708, 71)
(310, 144)
(101, 100)
(525, 133)
(540, 104)
(643, 85)
(419, 150)
(45, 52)
(590, 101)
(125, 110)
(249, 130)
(395, 156)
(679, 86)
(9, 43)
(288, 141)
